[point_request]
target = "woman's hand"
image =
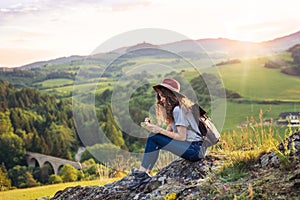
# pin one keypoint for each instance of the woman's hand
(153, 128)
(148, 119)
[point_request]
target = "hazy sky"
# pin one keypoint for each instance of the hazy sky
(34, 30)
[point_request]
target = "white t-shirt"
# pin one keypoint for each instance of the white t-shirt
(186, 118)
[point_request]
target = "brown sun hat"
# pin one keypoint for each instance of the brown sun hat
(170, 84)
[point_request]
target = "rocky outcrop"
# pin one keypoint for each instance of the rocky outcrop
(289, 149)
(190, 180)
(178, 179)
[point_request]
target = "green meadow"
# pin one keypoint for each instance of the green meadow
(255, 82)
(54, 83)
(237, 113)
(64, 87)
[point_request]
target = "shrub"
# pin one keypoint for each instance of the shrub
(21, 177)
(68, 173)
(5, 182)
(30, 181)
(91, 167)
(18, 175)
(53, 179)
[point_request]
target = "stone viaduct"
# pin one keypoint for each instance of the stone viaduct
(39, 160)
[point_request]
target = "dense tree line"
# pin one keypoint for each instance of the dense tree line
(295, 53)
(32, 121)
(35, 122)
(26, 77)
(293, 67)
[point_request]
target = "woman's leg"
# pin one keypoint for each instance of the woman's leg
(151, 153)
(155, 142)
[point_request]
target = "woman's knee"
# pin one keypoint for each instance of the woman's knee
(153, 136)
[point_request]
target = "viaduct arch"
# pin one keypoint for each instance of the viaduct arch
(37, 159)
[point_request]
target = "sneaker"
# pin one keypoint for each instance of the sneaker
(140, 178)
(136, 173)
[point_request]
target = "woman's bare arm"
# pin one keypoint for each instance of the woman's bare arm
(181, 135)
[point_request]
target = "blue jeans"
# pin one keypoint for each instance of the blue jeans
(155, 142)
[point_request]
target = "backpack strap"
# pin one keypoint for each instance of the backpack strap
(192, 129)
(199, 115)
(198, 111)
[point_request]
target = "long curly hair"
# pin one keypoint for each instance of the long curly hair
(164, 112)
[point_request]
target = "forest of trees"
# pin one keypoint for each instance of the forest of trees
(36, 122)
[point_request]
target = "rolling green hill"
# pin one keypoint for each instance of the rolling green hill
(255, 82)
(259, 87)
